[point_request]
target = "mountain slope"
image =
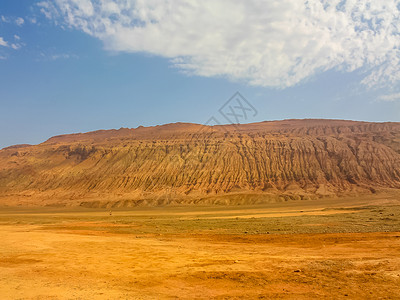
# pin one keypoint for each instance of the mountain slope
(190, 163)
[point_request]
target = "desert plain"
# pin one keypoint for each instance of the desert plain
(345, 248)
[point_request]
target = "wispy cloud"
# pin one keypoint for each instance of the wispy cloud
(16, 20)
(48, 9)
(33, 20)
(19, 21)
(62, 56)
(3, 42)
(263, 42)
(16, 46)
(390, 97)
(56, 56)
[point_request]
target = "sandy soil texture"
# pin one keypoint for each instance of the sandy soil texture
(186, 253)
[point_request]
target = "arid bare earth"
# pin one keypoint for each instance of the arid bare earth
(189, 254)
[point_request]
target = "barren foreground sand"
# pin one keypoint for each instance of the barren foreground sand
(317, 251)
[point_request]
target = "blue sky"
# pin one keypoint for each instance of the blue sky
(75, 66)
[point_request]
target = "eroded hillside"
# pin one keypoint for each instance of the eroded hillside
(189, 163)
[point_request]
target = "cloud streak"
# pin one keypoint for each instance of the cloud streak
(262, 42)
(390, 97)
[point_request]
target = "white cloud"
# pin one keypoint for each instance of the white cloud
(390, 97)
(19, 21)
(56, 56)
(60, 56)
(2, 57)
(17, 37)
(16, 46)
(276, 43)
(3, 42)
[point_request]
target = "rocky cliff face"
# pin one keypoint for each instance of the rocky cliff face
(189, 163)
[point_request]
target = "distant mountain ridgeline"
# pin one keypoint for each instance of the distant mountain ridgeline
(186, 163)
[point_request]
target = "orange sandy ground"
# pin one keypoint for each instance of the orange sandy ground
(39, 262)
